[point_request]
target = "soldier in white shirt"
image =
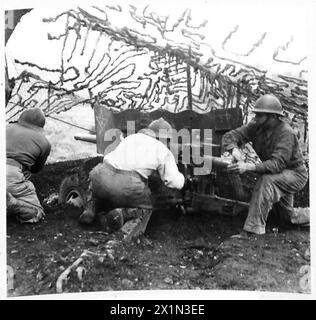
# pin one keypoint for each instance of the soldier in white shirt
(121, 181)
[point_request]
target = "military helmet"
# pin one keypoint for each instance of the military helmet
(268, 103)
(34, 116)
(161, 128)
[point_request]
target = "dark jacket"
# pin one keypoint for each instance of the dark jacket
(277, 147)
(26, 142)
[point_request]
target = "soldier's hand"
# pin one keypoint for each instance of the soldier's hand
(189, 183)
(240, 167)
(237, 154)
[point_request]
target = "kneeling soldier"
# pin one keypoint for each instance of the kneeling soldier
(121, 181)
(283, 171)
(27, 150)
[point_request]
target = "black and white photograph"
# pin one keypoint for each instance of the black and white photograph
(157, 147)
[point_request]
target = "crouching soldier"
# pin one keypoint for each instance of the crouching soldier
(283, 171)
(27, 150)
(121, 181)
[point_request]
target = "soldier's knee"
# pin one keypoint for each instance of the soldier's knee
(265, 186)
(267, 178)
(265, 181)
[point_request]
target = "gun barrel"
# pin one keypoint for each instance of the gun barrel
(92, 138)
(217, 162)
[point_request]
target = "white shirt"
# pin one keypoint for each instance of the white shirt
(145, 154)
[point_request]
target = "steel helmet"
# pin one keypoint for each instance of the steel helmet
(161, 128)
(34, 116)
(268, 104)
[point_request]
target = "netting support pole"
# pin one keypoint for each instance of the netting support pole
(189, 89)
(48, 95)
(238, 95)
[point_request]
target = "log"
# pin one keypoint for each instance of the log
(63, 278)
(135, 227)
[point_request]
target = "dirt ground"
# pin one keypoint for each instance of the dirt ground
(192, 251)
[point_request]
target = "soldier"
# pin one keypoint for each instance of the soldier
(27, 150)
(121, 180)
(283, 171)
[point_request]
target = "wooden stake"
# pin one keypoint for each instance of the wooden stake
(189, 83)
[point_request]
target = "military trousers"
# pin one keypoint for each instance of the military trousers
(275, 191)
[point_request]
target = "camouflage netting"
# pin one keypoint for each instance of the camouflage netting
(134, 57)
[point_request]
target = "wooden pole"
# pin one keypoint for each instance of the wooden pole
(189, 83)
(238, 95)
(48, 96)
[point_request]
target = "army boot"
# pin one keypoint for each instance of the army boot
(88, 215)
(112, 221)
(22, 211)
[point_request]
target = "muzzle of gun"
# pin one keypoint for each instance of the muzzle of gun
(234, 179)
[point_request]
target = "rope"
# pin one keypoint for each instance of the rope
(71, 124)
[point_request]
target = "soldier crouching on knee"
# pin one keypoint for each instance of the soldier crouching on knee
(283, 171)
(27, 149)
(121, 181)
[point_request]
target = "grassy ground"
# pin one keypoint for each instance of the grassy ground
(192, 251)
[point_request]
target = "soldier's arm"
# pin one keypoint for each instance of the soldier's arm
(238, 137)
(40, 161)
(169, 172)
(280, 157)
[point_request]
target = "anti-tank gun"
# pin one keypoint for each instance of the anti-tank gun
(196, 147)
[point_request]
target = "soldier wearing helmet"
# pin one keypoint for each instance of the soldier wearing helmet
(283, 171)
(121, 180)
(27, 150)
